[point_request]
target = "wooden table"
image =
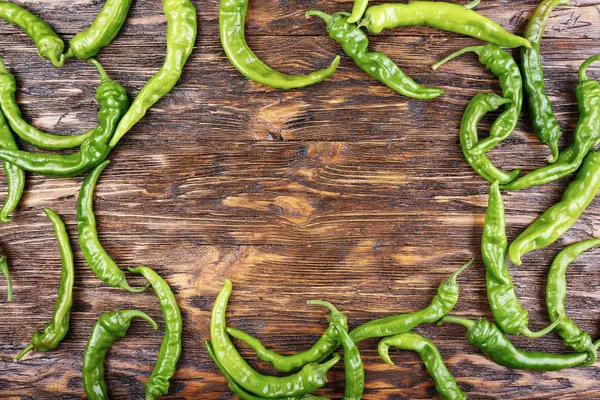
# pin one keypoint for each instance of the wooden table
(343, 191)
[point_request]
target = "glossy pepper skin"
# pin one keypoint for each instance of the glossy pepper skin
(4, 271)
(312, 377)
(354, 372)
(360, 6)
(560, 217)
(544, 121)
(586, 136)
(232, 17)
(50, 46)
(55, 331)
(441, 304)
(323, 348)
(445, 16)
(478, 107)
(15, 176)
(356, 45)
(556, 293)
(503, 65)
(488, 338)
(93, 150)
(182, 28)
(445, 384)
(95, 256)
(506, 308)
(110, 327)
(87, 43)
(170, 348)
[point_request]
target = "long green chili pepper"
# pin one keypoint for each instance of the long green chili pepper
(93, 150)
(182, 28)
(50, 46)
(545, 125)
(445, 384)
(4, 271)
(170, 348)
(441, 304)
(508, 313)
(110, 327)
(95, 256)
(560, 217)
(354, 372)
(232, 16)
(310, 378)
(556, 292)
(322, 349)
(55, 331)
(87, 43)
(478, 107)
(586, 136)
(489, 338)
(502, 65)
(238, 391)
(355, 43)
(440, 15)
(15, 176)
(360, 6)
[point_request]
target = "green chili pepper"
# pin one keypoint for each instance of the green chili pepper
(93, 150)
(545, 125)
(556, 292)
(489, 338)
(353, 367)
(586, 136)
(502, 65)
(508, 313)
(55, 331)
(15, 176)
(360, 6)
(87, 43)
(477, 108)
(310, 378)
(170, 348)
(445, 384)
(50, 46)
(181, 36)
(322, 349)
(560, 217)
(440, 15)
(4, 271)
(232, 16)
(442, 304)
(95, 256)
(355, 43)
(110, 327)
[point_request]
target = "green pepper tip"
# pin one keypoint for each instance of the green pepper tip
(583, 69)
(23, 352)
(383, 350)
(474, 49)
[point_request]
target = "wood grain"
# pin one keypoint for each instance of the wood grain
(343, 191)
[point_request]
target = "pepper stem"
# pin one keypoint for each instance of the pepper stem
(326, 366)
(125, 285)
(461, 269)
(472, 4)
(324, 16)
(104, 78)
(474, 49)
(6, 273)
(23, 352)
(69, 54)
(130, 314)
(467, 323)
(534, 335)
(583, 69)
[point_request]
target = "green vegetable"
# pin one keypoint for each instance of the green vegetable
(4, 271)
(15, 176)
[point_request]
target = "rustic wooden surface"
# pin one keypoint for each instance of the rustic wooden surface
(344, 191)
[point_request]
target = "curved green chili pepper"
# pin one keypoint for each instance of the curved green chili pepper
(441, 304)
(310, 378)
(560, 217)
(232, 16)
(354, 371)
(445, 384)
(477, 108)
(4, 271)
(50, 46)
(95, 256)
(55, 331)
(170, 348)
(110, 327)
(586, 136)
(491, 341)
(15, 176)
(93, 150)
(556, 292)
(322, 349)
(508, 313)
(360, 6)
(440, 15)
(355, 43)
(181, 36)
(545, 125)
(87, 43)
(502, 65)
